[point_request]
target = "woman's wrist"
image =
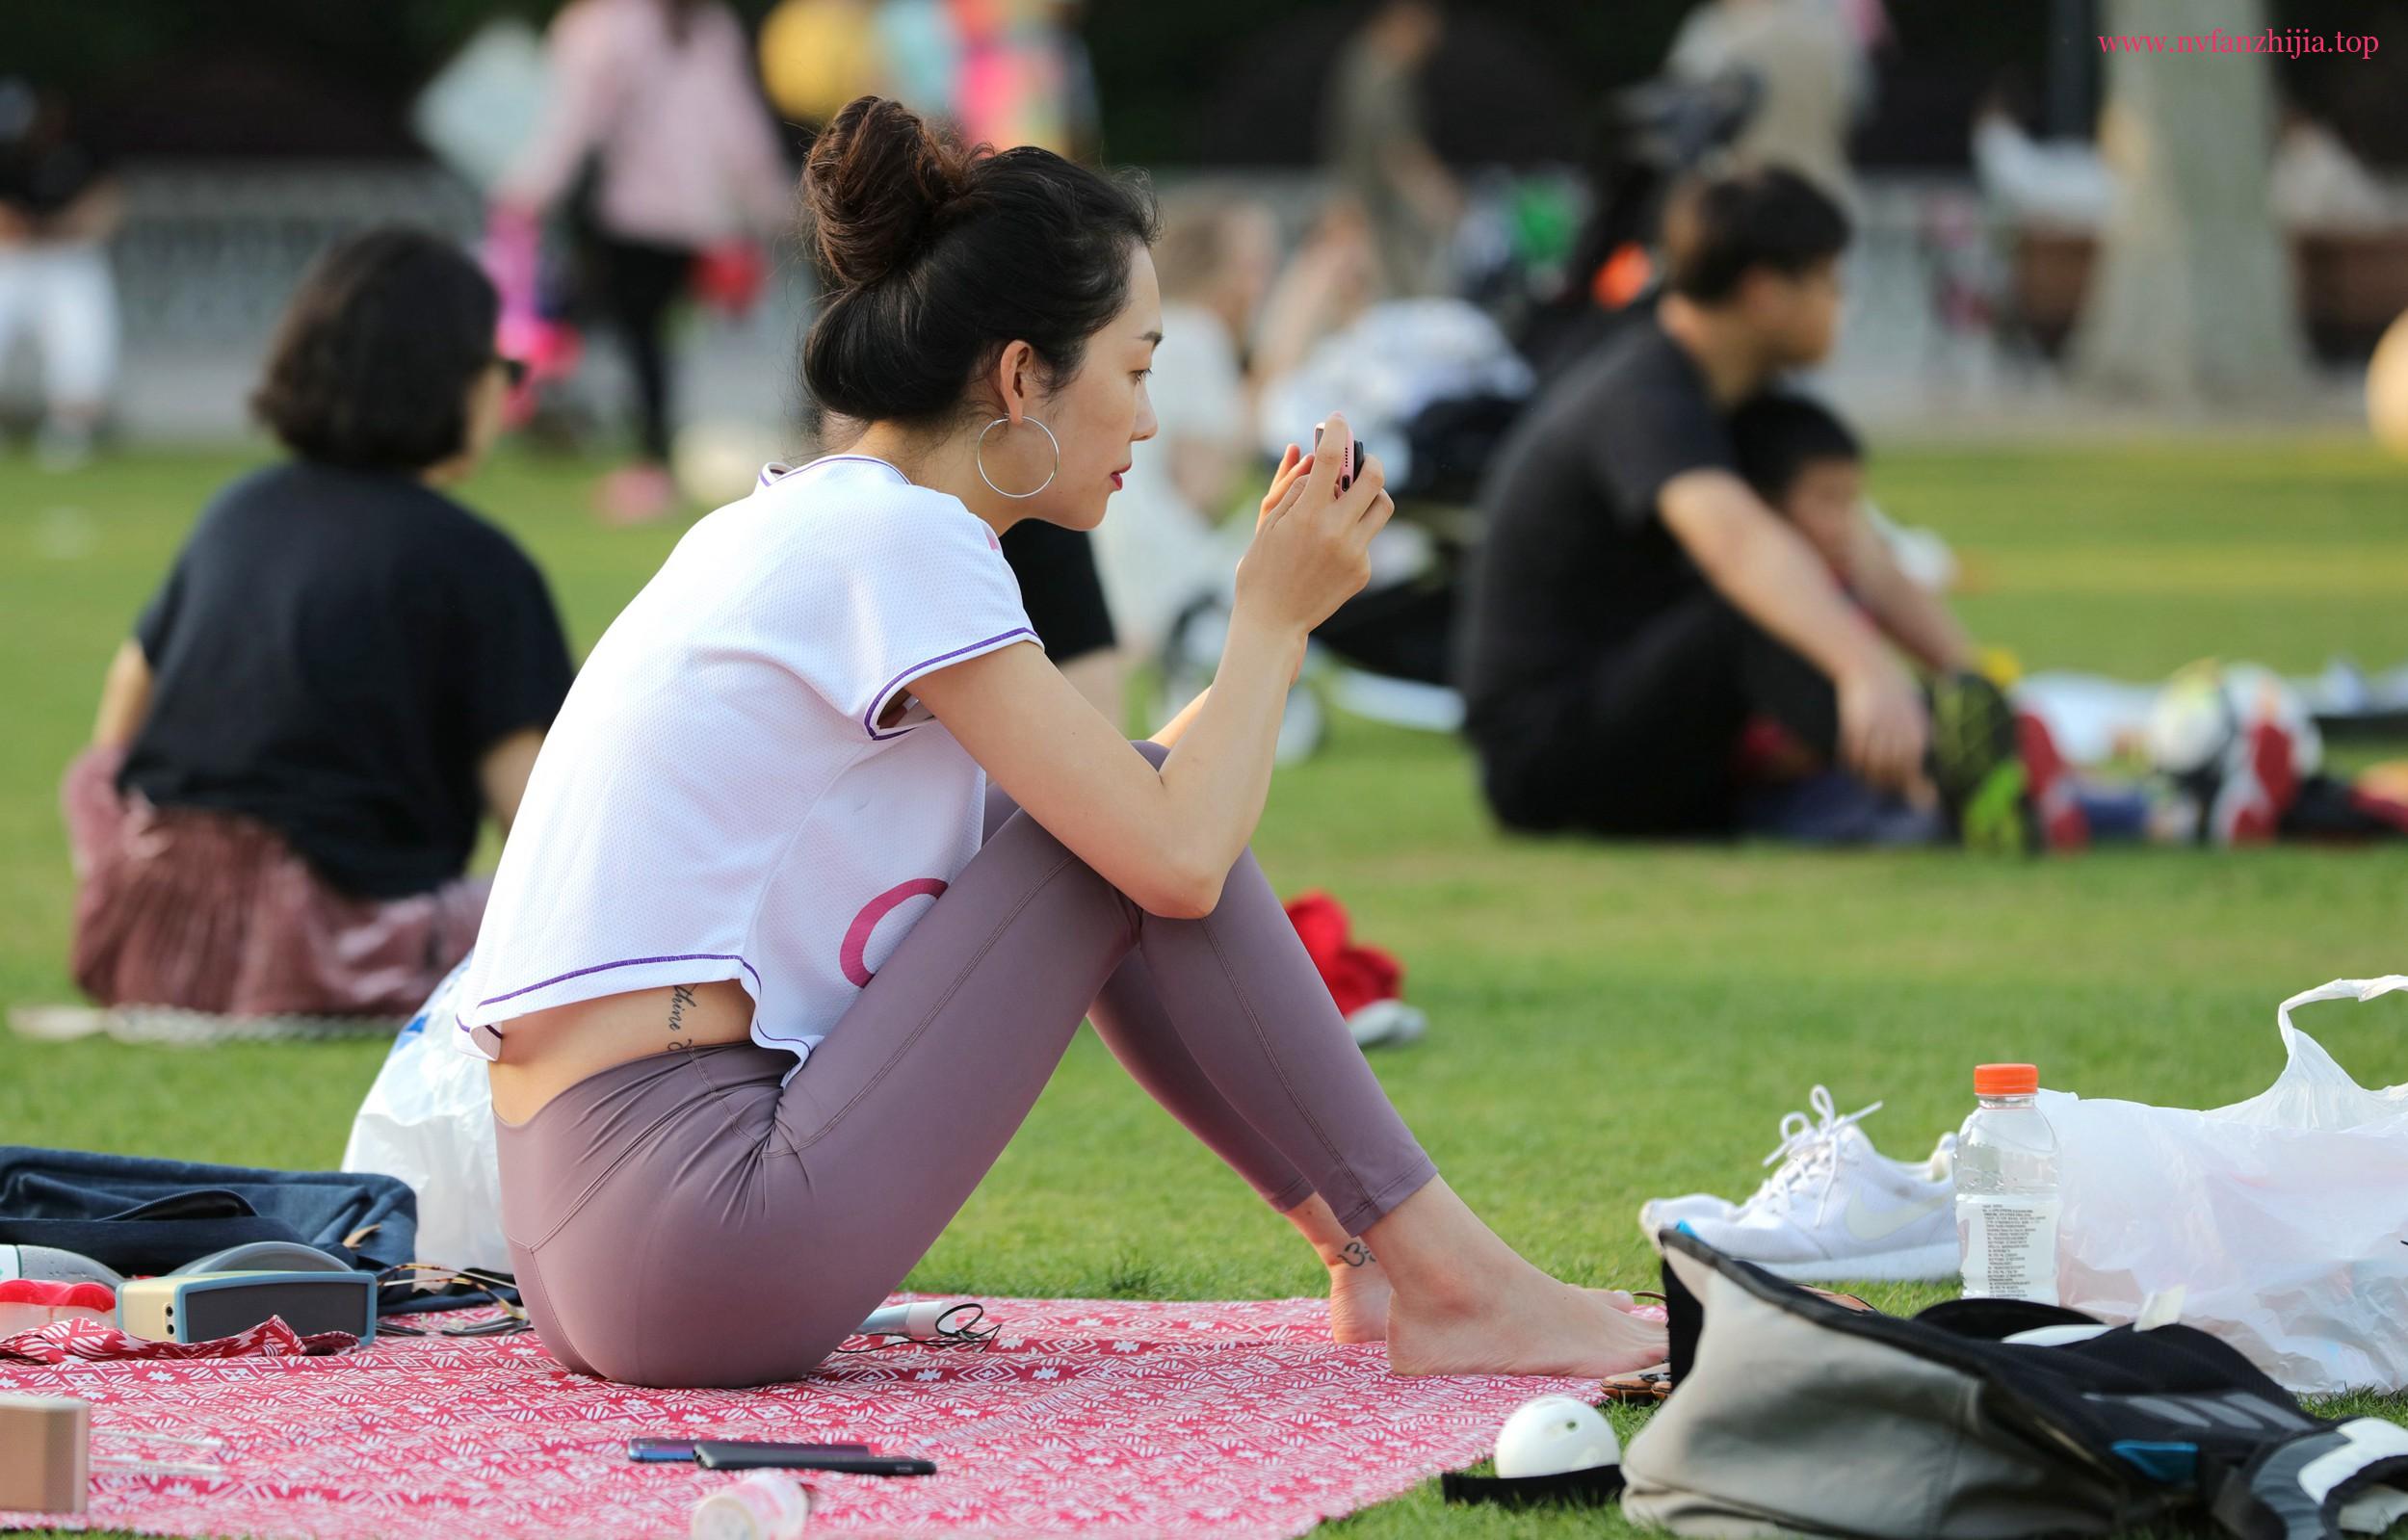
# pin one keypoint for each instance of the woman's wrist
(1280, 640)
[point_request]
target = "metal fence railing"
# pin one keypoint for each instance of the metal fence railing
(210, 252)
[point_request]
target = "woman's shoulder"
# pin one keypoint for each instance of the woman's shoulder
(855, 504)
(386, 518)
(261, 486)
(259, 505)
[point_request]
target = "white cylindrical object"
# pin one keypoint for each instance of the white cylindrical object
(765, 1506)
(1554, 1434)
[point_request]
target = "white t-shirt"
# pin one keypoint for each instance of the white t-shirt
(726, 793)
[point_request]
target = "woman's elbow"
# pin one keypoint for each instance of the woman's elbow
(1197, 902)
(1182, 894)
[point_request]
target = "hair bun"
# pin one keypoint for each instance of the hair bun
(877, 179)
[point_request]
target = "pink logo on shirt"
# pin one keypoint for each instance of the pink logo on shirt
(849, 957)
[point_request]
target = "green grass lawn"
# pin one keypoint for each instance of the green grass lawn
(1608, 1024)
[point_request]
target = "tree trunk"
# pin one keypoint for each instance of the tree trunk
(2191, 300)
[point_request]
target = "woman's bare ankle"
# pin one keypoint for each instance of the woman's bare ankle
(1360, 1295)
(1358, 1285)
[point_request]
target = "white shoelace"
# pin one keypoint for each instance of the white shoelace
(1808, 1147)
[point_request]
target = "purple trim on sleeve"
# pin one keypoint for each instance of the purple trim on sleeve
(623, 962)
(869, 719)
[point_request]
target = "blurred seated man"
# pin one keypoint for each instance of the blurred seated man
(1636, 604)
(344, 672)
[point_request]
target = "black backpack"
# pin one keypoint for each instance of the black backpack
(1792, 1413)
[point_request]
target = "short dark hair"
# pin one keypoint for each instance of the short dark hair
(934, 257)
(372, 362)
(1716, 231)
(1778, 436)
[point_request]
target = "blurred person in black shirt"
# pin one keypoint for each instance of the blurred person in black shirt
(1637, 604)
(343, 674)
(58, 208)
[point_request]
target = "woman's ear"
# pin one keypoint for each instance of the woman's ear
(1016, 380)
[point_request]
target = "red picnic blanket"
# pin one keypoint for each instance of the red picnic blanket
(1086, 1418)
(61, 1341)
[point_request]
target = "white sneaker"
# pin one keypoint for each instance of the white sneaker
(1797, 1130)
(1386, 1022)
(1838, 1208)
(1658, 1215)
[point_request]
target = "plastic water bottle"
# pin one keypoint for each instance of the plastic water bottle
(2006, 1189)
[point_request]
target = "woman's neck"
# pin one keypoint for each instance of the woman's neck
(947, 464)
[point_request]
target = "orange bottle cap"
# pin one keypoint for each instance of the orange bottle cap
(2006, 1080)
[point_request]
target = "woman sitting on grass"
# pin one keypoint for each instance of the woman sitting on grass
(344, 672)
(772, 973)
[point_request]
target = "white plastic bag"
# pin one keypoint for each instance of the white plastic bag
(2284, 1217)
(429, 1120)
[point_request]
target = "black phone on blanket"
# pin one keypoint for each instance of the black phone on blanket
(748, 1454)
(681, 1451)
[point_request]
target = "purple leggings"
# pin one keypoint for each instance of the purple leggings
(681, 1219)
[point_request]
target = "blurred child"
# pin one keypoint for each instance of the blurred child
(1809, 468)
(1806, 464)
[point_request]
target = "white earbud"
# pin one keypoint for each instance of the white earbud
(1552, 1435)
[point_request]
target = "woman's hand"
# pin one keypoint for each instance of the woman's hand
(1312, 540)
(1292, 466)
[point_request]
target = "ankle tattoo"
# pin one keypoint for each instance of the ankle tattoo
(1355, 1254)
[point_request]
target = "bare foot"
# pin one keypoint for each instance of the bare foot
(1534, 1326)
(1358, 1297)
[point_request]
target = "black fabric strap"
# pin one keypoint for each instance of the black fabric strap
(2263, 1500)
(135, 1246)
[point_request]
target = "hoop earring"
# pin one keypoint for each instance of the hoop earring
(978, 454)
